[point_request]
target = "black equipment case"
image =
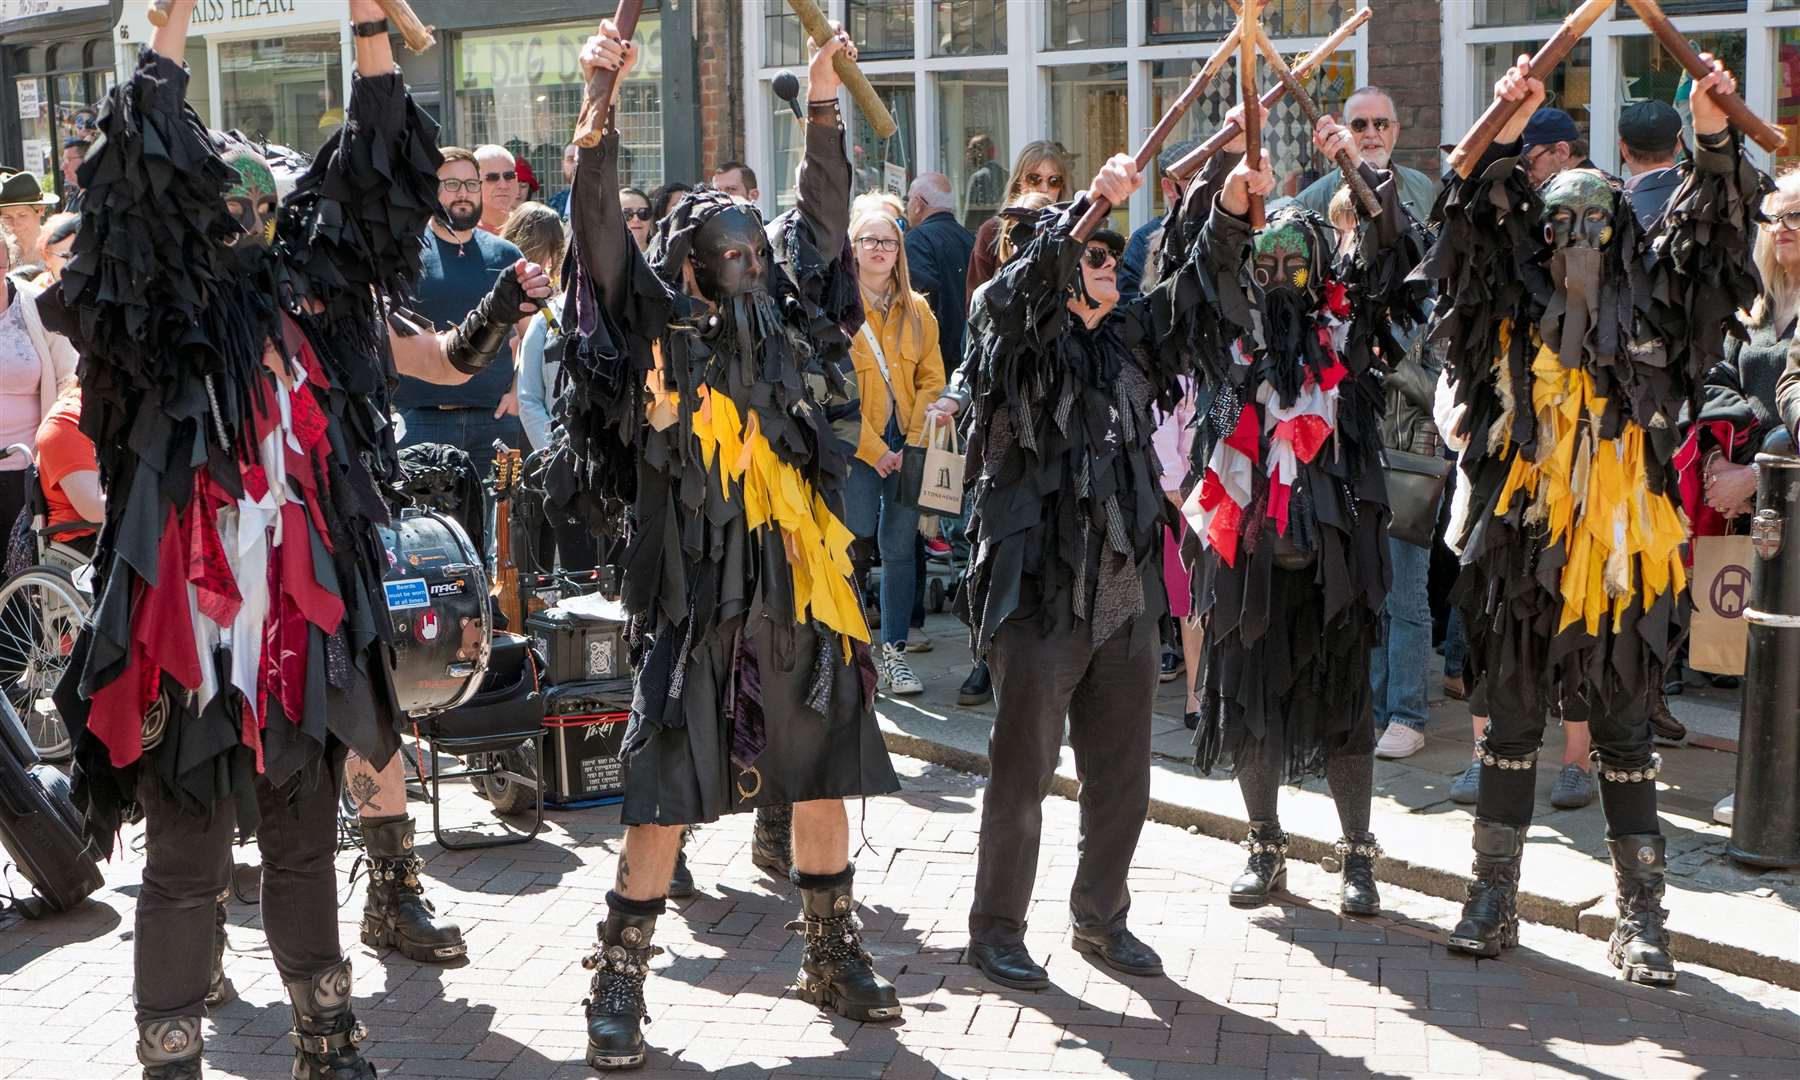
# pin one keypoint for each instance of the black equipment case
(585, 722)
(577, 648)
(39, 825)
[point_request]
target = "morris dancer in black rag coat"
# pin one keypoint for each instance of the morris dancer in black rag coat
(1289, 516)
(236, 377)
(1573, 344)
(704, 382)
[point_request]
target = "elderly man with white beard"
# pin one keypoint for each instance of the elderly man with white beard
(1370, 115)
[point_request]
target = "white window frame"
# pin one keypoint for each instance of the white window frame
(1463, 102)
(1028, 81)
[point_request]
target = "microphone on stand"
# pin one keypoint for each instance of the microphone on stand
(787, 88)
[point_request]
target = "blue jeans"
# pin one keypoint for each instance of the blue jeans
(1397, 666)
(872, 503)
(1456, 645)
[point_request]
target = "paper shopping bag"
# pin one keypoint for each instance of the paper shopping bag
(1721, 589)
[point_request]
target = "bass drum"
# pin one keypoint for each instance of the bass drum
(437, 600)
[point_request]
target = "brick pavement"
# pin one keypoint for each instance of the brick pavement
(1287, 990)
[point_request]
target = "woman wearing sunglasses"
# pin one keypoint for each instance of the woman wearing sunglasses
(636, 206)
(899, 372)
(1043, 167)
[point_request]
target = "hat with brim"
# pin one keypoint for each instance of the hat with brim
(1111, 239)
(21, 189)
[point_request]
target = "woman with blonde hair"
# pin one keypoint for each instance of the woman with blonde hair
(1043, 167)
(899, 372)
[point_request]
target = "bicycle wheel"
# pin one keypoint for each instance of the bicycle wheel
(41, 613)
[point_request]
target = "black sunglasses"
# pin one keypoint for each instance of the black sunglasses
(638, 215)
(1361, 124)
(496, 177)
(1098, 256)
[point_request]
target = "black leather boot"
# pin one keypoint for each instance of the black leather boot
(170, 1049)
(1639, 946)
(1490, 916)
(772, 842)
(615, 1004)
(1357, 894)
(221, 990)
(396, 912)
(978, 688)
(1267, 869)
(681, 881)
(836, 972)
(326, 1032)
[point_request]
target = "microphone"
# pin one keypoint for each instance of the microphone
(787, 88)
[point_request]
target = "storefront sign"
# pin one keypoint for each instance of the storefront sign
(36, 153)
(213, 17)
(547, 56)
(28, 99)
(209, 13)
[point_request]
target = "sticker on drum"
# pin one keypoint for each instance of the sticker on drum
(427, 626)
(406, 593)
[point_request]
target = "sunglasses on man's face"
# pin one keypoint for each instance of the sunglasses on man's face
(1363, 123)
(496, 177)
(1098, 256)
(641, 214)
(454, 186)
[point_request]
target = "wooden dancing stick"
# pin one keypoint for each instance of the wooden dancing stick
(158, 12)
(598, 100)
(1767, 136)
(1247, 31)
(1359, 187)
(868, 102)
(1197, 158)
(417, 35)
(1474, 144)
(1153, 142)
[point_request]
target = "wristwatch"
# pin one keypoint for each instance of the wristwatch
(372, 28)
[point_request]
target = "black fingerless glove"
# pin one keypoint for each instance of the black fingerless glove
(472, 346)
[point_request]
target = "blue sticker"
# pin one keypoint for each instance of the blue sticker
(406, 593)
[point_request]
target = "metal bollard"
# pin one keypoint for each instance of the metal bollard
(1765, 829)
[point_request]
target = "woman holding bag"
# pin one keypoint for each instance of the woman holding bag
(899, 371)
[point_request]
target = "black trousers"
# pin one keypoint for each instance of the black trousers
(1106, 693)
(187, 863)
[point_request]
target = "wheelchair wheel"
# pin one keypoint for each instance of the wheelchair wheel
(41, 613)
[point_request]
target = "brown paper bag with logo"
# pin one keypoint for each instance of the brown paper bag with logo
(1720, 585)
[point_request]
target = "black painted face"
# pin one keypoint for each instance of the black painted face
(1283, 259)
(1578, 210)
(730, 255)
(251, 200)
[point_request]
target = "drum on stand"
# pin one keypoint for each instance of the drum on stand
(437, 600)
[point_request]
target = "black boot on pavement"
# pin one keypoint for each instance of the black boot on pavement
(396, 912)
(1118, 949)
(1009, 965)
(772, 841)
(1663, 725)
(1639, 946)
(1357, 894)
(681, 881)
(326, 1032)
(621, 963)
(170, 1049)
(1490, 916)
(978, 688)
(836, 972)
(1267, 869)
(221, 990)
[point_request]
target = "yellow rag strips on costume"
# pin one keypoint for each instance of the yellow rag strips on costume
(1593, 497)
(776, 494)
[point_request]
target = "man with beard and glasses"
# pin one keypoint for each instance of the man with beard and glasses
(1289, 518)
(1572, 345)
(460, 265)
(235, 364)
(707, 390)
(1370, 115)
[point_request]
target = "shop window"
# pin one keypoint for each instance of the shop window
(1086, 24)
(286, 90)
(973, 142)
(523, 90)
(1287, 136)
(1686, 7)
(1087, 115)
(1787, 91)
(1513, 12)
(882, 29)
(36, 132)
(785, 147)
(1212, 19)
(1570, 87)
(869, 155)
(784, 41)
(968, 27)
(1648, 73)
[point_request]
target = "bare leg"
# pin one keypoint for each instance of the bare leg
(1193, 641)
(1478, 724)
(647, 861)
(821, 836)
(1576, 740)
(376, 794)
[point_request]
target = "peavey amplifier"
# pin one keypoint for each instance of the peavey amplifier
(579, 647)
(584, 732)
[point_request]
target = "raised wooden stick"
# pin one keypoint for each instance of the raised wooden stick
(1468, 151)
(1248, 27)
(598, 101)
(1767, 136)
(1099, 207)
(416, 34)
(868, 102)
(158, 12)
(1197, 158)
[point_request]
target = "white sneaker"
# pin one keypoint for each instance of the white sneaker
(1722, 813)
(917, 640)
(1399, 741)
(900, 678)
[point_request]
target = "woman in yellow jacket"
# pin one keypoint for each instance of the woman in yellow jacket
(899, 371)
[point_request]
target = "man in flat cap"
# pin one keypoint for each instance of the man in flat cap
(1649, 139)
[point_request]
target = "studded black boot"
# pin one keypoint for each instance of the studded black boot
(836, 972)
(681, 882)
(1490, 916)
(326, 1032)
(1357, 894)
(1639, 946)
(1267, 869)
(772, 843)
(615, 1004)
(170, 1049)
(220, 991)
(396, 912)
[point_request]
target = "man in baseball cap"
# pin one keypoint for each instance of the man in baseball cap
(1553, 143)
(1649, 140)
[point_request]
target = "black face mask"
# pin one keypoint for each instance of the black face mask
(730, 255)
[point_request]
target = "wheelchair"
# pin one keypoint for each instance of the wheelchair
(42, 608)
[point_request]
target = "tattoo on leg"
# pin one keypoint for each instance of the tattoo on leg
(364, 791)
(624, 872)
